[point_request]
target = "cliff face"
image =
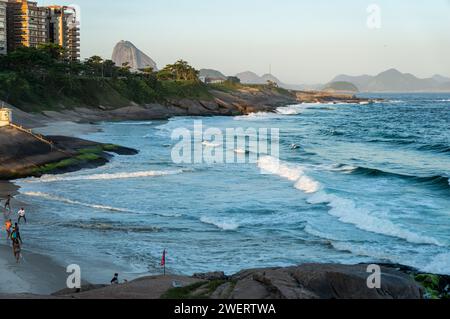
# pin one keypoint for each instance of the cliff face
(126, 52)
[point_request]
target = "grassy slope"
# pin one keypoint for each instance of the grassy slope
(113, 93)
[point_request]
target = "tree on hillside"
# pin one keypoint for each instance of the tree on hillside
(94, 66)
(180, 71)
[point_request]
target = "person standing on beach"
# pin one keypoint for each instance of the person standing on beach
(8, 202)
(21, 214)
(16, 249)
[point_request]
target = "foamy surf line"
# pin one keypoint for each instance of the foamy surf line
(95, 206)
(347, 212)
(123, 175)
(344, 209)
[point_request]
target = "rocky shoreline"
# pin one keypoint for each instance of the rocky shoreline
(21, 155)
(308, 281)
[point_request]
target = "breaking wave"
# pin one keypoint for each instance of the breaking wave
(348, 212)
(227, 225)
(292, 173)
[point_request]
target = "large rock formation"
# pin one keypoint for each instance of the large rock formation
(126, 52)
(309, 281)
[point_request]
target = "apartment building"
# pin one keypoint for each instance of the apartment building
(27, 24)
(64, 30)
(3, 28)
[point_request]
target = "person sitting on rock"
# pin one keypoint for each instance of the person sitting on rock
(115, 280)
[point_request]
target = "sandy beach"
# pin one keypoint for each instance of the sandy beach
(36, 273)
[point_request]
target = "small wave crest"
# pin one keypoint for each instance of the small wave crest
(103, 226)
(106, 176)
(95, 206)
(211, 144)
(259, 116)
(221, 223)
(441, 182)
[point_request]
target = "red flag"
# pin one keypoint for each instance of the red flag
(163, 259)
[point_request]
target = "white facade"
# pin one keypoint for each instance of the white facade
(5, 117)
(3, 34)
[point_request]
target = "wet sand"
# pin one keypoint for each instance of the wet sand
(35, 273)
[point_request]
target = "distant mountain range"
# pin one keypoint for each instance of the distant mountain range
(126, 52)
(395, 81)
(391, 80)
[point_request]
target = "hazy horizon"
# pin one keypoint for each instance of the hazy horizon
(302, 42)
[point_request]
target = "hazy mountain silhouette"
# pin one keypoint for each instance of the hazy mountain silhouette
(393, 80)
(126, 52)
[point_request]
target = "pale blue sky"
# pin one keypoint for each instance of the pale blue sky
(304, 41)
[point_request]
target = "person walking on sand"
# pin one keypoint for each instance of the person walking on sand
(15, 234)
(21, 214)
(8, 225)
(16, 249)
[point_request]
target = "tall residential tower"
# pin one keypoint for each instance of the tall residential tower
(64, 30)
(3, 28)
(27, 24)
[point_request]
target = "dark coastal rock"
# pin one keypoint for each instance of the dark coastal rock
(218, 275)
(317, 281)
(23, 154)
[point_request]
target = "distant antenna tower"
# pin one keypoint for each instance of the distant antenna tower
(270, 69)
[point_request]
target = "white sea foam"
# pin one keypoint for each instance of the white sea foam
(95, 206)
(134, 123)
(439, 265)
(227, 225)
(240, 151)
(112, 176)
(78, 203)
(292, 109)
(260, 116)
(211, 144)
(348, 212)
(292, 173)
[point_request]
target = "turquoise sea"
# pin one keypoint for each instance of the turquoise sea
(367, 183)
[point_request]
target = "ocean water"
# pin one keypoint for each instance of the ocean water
(368, 183)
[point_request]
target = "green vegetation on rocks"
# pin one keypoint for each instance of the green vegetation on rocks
(436, 287)
(38, 79)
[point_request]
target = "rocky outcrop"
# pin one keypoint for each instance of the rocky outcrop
(126, 52)
(314, 281)
(23, 155)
